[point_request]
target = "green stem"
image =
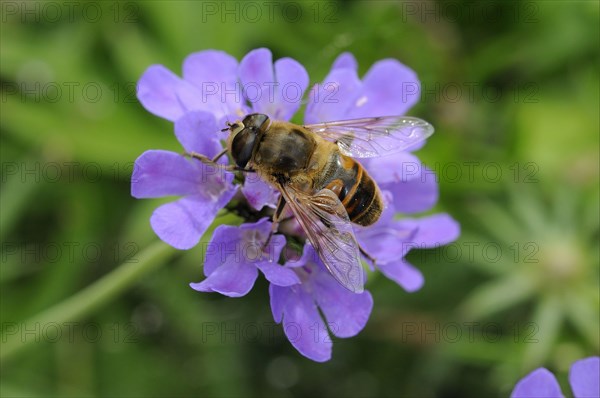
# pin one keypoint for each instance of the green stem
(87, 300)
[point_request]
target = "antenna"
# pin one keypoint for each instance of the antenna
(226, 113)
(225, 150)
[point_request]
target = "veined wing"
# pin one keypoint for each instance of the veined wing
(328, 228)
(375, 136)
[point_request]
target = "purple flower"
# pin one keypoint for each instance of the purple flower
(388, 88)
(584, 378)
(205, 189)
(392, 239)
(298, 305)
(234, 256)
(215, 83)
(258, 193)
(215, 88)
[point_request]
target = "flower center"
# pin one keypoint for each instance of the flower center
(215, 182)
(254, 248)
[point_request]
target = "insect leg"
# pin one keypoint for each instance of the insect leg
(276, 217)
(364, 253)
(212, 163)
(223, 152)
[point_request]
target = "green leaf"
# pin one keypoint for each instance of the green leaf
(548, 318)
(498, 295)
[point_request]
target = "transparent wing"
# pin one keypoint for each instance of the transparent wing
(328, 228)
(375, 136)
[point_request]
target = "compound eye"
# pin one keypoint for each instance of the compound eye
(256, 120)
(242, 146)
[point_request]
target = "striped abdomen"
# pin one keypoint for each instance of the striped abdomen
(356, 189)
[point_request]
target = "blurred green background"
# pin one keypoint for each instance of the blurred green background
(513, 91)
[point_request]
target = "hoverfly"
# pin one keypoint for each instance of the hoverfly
(313, 168)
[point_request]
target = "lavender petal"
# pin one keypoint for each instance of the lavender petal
(258, 193)
(404, 274)
(233, 279)
(432, 231)
(159, 173)
(584, 377)
(331, 99)
(278, 274)
(242, 243)
(389, 88)
(278, 297)
(387, 242)
(347, 313)
(165, 94)
(226, 241)
(215, 74)
(197, 132)
(538, 384)
(302, 323)
(257, 77)
(292, 81)
(345, 60)
(182, 223)
(396, 168)
(414, 195)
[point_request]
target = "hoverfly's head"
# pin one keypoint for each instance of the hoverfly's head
(244, 135)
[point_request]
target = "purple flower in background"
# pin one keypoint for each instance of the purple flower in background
(584, 378)
(215, 88)
(298, 305)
